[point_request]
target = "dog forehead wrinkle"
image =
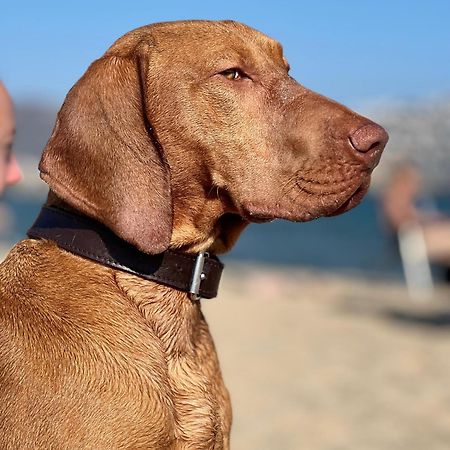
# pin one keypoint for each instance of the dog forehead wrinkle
(274, 48)
(216, 36)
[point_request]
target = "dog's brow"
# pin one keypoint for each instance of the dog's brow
(277, 49)
(225, 57)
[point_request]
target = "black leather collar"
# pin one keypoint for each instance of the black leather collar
(199, 275)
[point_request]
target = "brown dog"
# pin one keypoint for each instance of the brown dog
(177, 138)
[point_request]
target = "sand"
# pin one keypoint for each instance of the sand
(316, 361)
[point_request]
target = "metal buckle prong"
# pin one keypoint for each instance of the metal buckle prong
(198, 276)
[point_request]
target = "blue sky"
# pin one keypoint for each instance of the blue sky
(357, 52)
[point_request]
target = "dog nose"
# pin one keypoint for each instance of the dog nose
(370, 138)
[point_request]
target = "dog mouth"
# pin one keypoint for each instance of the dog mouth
(254, 213)
(258, 218)
(354, 200)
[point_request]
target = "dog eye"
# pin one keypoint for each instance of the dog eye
(233, 74)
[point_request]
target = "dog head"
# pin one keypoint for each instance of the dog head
(184, 132)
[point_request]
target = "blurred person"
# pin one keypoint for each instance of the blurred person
(404, 206)
(10, 172)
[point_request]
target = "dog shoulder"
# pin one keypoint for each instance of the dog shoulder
(71, 345)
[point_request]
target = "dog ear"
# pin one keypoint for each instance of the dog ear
(102, 158)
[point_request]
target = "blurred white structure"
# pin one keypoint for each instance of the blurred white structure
(416, 266)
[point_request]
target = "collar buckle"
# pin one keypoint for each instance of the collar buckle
(197, 276)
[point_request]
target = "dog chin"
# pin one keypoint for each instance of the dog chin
(253, 214)
(354, 200)
(255, 218)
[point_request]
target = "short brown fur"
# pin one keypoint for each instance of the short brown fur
(157, 142)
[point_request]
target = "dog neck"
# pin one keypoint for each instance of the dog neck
(175, 320)
(201, 223)
(204, 217)
(198, 275)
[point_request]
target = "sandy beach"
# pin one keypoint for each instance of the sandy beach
(316, 361)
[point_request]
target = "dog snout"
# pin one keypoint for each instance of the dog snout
(368, 141)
